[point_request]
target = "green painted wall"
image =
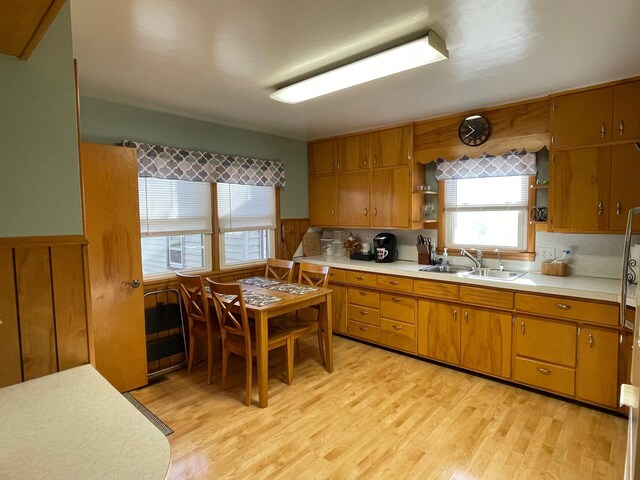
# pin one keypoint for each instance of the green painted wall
(39, 179)
(106, 122)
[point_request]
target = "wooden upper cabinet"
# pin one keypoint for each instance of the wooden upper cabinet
(626, 105)
(597, 371)
(391, 147)
(353, 153)
(581, 190)
(625, 194)
(322, 157)
(353, 199)
(323, 200)
(391, 198)
(486, 341)
(583, 118)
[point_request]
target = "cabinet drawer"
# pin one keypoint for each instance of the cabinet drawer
(367, 298)
(547, 340)
(360, 278)
(363, 331)
(486, 297)
(547, 376)
(364, 315)
(336, 275)
(395, 284)
(560, 307)
(398, 307)
(398, 335)
(433, 289)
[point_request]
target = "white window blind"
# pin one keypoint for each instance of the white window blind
(174, 207)
(495, 193)
(246, 207)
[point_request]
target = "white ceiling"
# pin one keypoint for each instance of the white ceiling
(218, 60)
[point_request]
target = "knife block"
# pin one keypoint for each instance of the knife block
(424, 258)
(555, 269)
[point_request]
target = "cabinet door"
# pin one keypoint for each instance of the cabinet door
(353, 153)
(597, 371)
(322, 200)
(439, 331)
(546, 339)
(391, 147)
(626, 105)
(353, 199)
(583, 118)
(322, 157)
(581, 190)
(486, 341)
(339, 307)
(391, 198)
(625, 194)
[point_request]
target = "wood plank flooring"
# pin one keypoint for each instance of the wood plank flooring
(379, 415)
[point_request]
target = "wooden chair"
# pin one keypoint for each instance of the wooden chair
(279, 269)
(314, 276)
(239, 337)
(200, 323)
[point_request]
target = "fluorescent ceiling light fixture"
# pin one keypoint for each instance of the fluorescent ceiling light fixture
(414, 54)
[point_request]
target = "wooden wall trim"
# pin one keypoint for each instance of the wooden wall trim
(45, 23)
(44, 241)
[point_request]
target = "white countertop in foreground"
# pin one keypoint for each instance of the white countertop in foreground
(592, 288)
(75, 425)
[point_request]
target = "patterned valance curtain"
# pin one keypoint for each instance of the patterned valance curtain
(179, 164)
(510, 164)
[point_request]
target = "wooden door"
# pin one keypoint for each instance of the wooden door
(323, 200)
(486, 341)
(353, 199)
(391, 198)
(339, 307)
(624, 192)
(353, 153)
(626, 105)
(10, 357)
(583, 118)
(439, 330)
(112, 224)
(391, 147)
(597, 371)
(581, 190)
(322, 157)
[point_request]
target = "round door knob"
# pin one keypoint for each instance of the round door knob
(135, 283)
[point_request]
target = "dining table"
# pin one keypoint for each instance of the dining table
(265, 299)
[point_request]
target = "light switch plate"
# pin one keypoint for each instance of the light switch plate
(547, 254)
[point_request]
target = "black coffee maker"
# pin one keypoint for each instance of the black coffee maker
(384, 248)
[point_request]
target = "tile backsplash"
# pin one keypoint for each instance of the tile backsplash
(592, 255)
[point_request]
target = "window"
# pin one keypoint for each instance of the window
(487, 213)
(247, 219)
(175, 224)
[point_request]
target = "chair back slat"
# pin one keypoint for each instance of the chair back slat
(193, 298)
(314, 275)
(231, 322)
(279, 269)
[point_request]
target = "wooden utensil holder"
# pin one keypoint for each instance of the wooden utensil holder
(555, 269)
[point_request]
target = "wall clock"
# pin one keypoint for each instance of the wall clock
(474, 130)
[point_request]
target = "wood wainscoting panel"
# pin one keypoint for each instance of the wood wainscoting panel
(10, 359)
(67, 270)
(291, 232)
(35, 304)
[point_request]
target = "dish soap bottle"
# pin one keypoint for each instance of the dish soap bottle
(445, 257)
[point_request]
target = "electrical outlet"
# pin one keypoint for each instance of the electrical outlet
(547, 254)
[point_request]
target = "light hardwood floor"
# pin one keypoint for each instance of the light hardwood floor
(379, 415)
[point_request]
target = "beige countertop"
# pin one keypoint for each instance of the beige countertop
(592, 288)
(75, 425)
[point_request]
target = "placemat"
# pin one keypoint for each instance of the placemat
(293, 288)
(256, 299)
(261, 282)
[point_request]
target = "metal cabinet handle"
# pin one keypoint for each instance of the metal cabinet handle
(333, 211)
(563, 306)
(363, 329)
(363, 312)
(466, 317)
(600, 208)
(365, 211)
(135, 283)
(395, 299)
(590, 340)
(455, 315)
(375, 160)
(522, 327)
(1, 324)
(396, 327)
(359, 277)
(364, 294)
(544, 371)
(603, 131)
(618, 208)
(365, 161)
(333, 167)
(338, 166)
(621, 127)
(393, 282)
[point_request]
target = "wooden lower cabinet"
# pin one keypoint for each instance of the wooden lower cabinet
(485, 341)
(597, 370)
(546, 340)
(364, 331)
(547, 376)
(339, 307)
(439, 331)
(399, 335)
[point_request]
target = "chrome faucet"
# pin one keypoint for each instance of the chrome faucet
(500, 265)
(477, 260)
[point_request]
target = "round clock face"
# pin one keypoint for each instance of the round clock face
(474, 130)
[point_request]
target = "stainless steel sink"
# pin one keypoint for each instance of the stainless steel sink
(452, 269)
(495, 274)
